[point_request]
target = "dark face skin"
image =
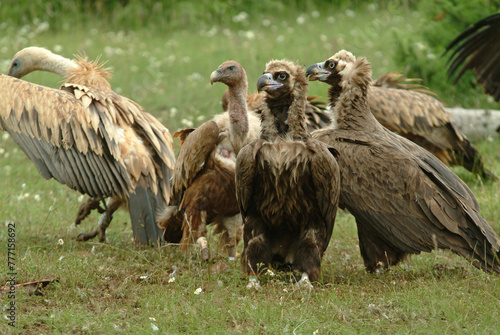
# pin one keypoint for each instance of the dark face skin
(275, 83)
(325, 72)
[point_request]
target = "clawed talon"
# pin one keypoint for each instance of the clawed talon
(253, 283)
(304, 282)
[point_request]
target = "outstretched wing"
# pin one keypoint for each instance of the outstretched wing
(479, 48)
(69, 138)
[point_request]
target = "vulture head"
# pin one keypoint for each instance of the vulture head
(230, 73)
(35, 58)
(282, 78)
(286, 88)
(342, 71)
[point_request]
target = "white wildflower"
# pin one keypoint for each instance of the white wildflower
(173, 111)
(2, 151)
(301, 19)
(36, 197)
(152, 318)
(187, 123)
(5, 136)
(57, 48)
(280, 38)
(315, 14)
(266, 23)
(171, 279)
(154, 327)
(242, 16)
(250, 35)
(270, 273)
(60, 241)
(143, 277)
(350, 13)
(198, 291)
(60, 258)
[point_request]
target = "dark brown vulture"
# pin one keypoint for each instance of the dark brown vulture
(316, 116)
(479, 48)
(404, 199)
(287, 183)
(410, 110)
(203, 189)
(89, 138)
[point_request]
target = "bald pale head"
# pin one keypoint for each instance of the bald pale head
(39, 59)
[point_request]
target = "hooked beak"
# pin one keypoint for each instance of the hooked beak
(317, 72)
(267, 83)
(215, 76)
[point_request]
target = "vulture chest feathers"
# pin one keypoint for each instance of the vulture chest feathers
(287, 183)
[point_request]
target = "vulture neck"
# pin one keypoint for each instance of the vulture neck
(238, 117)
(284, 117)
(349, 103)
(54, 63)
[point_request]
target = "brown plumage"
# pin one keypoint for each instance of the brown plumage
(203, 189)
(86, 136)
(316, 115)
(287, 183)
(479, 48)
(409, 109)
(404, 199)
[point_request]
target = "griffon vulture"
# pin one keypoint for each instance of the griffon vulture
(479, 48)
(203, 189)
(404, 199)
(89, 138)
(287, 183)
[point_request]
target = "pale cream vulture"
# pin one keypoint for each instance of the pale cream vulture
(203, 189)
(404, 199)
(479, 48)
(287, 183)
(89, 138)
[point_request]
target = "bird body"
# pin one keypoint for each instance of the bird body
(287, 183)
(84, 135)
(203, 189)
(404, 199)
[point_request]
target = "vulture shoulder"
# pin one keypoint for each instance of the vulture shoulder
(195, 151)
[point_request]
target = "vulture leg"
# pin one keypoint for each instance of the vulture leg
(194, 229)
(258, 247)
(86, 207)
(375, 252)
(232, 230)
(112, 206)
(307, 258)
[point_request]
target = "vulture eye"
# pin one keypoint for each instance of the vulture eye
(282, 76)
(231, 68)
(14, 63)
(330, 65)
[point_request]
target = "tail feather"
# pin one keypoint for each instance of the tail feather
(143, 205)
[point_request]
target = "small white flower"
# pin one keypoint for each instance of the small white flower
(23, 185)
(315, 14)
(173, 111)
(154, 327)
(280, 38)
(143, 277)
(36, 197)
(301, 20)
(171, 280)
(60, 241)
(266, 23)
(5, 136)
(2, 150)
(198, 290)
(270, 273)
(60, 258)
(152, 318)
(316, 332)
(57, 48)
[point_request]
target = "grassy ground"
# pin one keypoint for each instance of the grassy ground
(117, 287)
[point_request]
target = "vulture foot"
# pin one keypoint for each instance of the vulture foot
(205, 252)
(104, 221)
(304, 282)
(86, 207)
(253, 283)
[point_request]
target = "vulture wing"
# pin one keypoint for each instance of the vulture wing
(326, 183)
(245, 172)
(433, 208)
(195, 150)
(479, 47)
(422, 119)
(69, 138)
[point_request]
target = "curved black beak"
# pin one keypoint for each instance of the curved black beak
(317, 72)
(266, 82)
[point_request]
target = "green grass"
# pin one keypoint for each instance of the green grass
(117, 287)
